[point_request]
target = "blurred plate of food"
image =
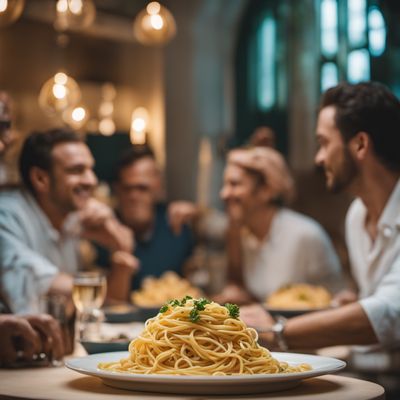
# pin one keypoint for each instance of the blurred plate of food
(93, 347)
(155, 292)
(296, 299)
(113, 337)
(121, 313)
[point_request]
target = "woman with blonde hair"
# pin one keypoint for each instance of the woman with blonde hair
(269, 245)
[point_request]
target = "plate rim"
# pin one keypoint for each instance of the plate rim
(210, 379)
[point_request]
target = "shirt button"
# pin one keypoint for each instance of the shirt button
(387, 231)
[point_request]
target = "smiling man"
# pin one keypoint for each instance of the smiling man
(40, 224)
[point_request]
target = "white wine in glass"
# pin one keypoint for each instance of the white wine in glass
(88, 295)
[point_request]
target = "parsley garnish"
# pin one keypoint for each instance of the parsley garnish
(164, 308)
(194, 315)
(185, 299)
(199, 305)
(233, 310)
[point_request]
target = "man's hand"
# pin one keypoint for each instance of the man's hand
(123, 266)
(50, 334)
(233, 293)
(181, 213)
(100, 225)
(125, 262)
(344, 297)
(255, 316)
(23, 337)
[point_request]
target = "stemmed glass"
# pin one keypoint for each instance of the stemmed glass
(89, 293)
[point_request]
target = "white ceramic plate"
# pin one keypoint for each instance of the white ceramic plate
(211, 385)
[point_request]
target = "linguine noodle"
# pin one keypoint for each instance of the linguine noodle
(216, 344)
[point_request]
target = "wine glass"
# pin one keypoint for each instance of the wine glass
(88, 295)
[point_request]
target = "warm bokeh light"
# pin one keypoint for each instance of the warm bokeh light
(59, 93)
(154, 25)
(156, 21)
(78, 114)
(3, 5)
(76, 6)
(153, 8)
(106, 108)
(74, 14)
(107, 127)
(60, 78)
(139, 125)
(10, 11)
(76, 117)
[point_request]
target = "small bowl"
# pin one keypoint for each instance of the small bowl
(104, 347)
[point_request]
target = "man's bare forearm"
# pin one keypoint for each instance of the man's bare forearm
(345, 325)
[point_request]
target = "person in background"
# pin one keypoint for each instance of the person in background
(5, 122)
(23, 337)
(263, 136)
(41, 223)
(277, 246)
(162, 239)
(358, 136)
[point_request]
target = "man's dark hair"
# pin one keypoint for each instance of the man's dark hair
(131, 156)
(368, 107)
(37, 149)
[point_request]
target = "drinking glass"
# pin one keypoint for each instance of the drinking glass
(88, 295)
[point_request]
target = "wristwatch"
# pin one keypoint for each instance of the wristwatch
(278, 330)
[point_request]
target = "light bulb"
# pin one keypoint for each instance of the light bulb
(59, 93)
(154, 25)
(106, 109)
(10, 11)
(74, 14)
(139, 125)
(76, 116)
(107, 127)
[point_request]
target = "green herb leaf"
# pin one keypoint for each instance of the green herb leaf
(185, 299)
(201, 304)
(233, 310)
(194, 315)
(164, 308)
(175, 303)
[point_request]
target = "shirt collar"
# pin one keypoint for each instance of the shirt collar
(390, 218)
(48, 228)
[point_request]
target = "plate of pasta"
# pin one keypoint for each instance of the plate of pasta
(296, 299)
(154, 292)
(196, 346)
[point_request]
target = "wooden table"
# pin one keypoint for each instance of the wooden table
(64, 384)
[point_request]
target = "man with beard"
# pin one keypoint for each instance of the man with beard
(40, 224)
(359, 139)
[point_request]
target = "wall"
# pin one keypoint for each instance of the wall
(199, 91)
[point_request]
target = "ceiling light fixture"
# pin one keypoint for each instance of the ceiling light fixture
(59, 93)
(154, 25)
(10, 11)
(74, 14)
